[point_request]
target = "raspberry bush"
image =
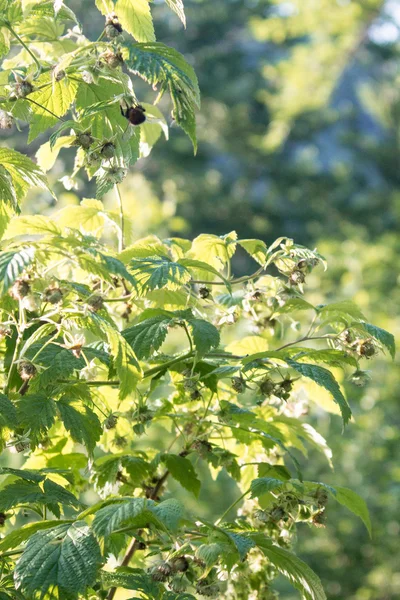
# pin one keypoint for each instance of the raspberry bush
(130, 371)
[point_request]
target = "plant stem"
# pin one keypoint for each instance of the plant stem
(232, 506)
(121, 218)
(15, 34)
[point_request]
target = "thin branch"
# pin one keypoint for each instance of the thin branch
(15, 34)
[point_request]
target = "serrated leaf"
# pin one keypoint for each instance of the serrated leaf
(125, 361)
(183, 471)
(263, 485)
(157, 63)
(7, 190)
(354, 503)
(66, 556)
(324, 378)
(37, 412)
(32, 225)
(12, 264)
(8, 413)
(178, 8)
(297, 572)
(345, 307)
(155, 273)
(170, 512)
(135, 18)
(109, 121)
(209, 553)
(132, 579)
(18, 536)
(24, 173)
(81, 422)
(56, 97)
(257, 250)
(205, 335)
(213, 250)
(243, 544)
(134, 513)
(147, 337)
(26, 492)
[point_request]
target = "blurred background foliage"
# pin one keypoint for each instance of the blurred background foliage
(299, 135)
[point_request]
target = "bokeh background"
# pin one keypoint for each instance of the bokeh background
(299, 135)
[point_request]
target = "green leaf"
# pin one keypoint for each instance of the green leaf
(209, 553)
(8, 413)
(155, 273)
(213, 250)
(24, 173)
(257, 250)
(109, 121)
(263, 485)
(354, 503)
(25, 492)
(37, 412)
(324, 378)
(345, 307)
(297, 572)
(132, 579)
(205, 335)
(135, 18)
(157, 63)
(12, 264)
(383, 336)
(55, 97)
(7, 191)
(81, 422)
(243, 544)
(20, 535)
(170, 512)
(126, 364)
(134, 513)
(183, 471)
(66, 556)
(47, 154)
(147, 337)
(177, 7)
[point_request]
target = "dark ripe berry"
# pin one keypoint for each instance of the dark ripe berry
(141, 546)
(23, 88)
(297, 277)
(135, 114)
(238, 384)
(95, 303)
(26, 370)
(180, 564)
(110, 422)
(20, 289)
(6, 120)
(107, 150)
(53, 295)
(267, 387)
(319, 519)
(367, 349)
(195, 395)
(347, 336)
(127, 312)
(204, 292)
(113, 59)
(84, 140)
